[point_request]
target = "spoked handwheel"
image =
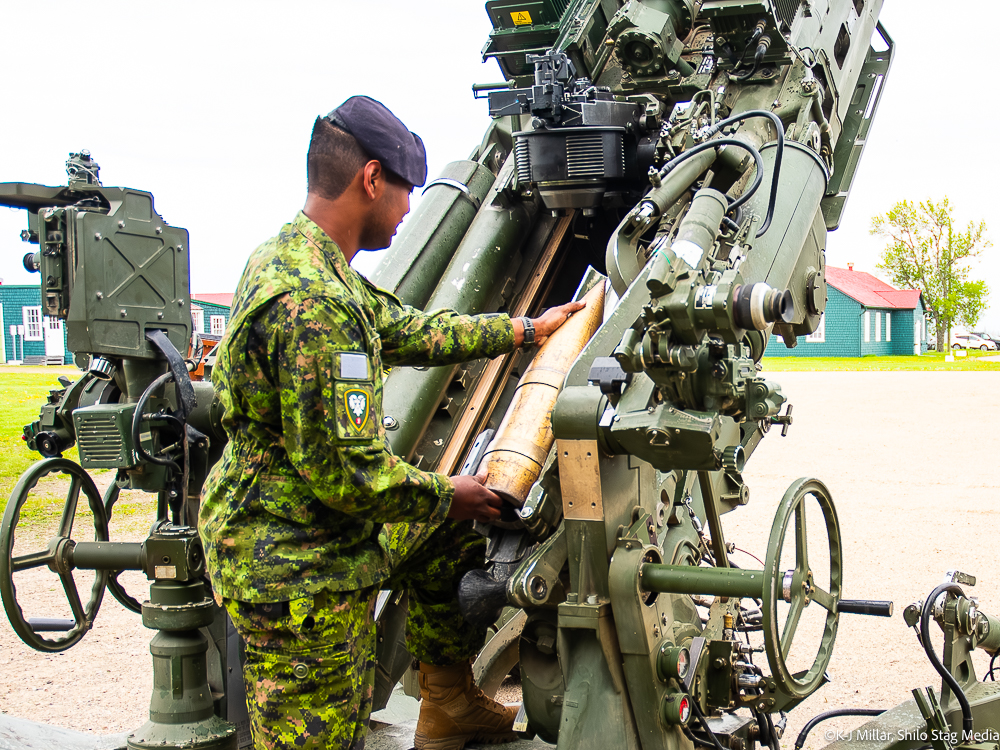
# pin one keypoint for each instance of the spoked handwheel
(798, 588)
(55, 556)
(117, 590)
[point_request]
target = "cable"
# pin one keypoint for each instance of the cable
(948, 677)
(705, 146)
(751, 554)
(137, 421)
(704, 724)
(773, 741)
(780, 128)
(990, 673)
(801, 739)
(696, 740)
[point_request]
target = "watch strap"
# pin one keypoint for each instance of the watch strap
(529, 332)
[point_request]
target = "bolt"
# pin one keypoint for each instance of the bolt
(159, 316)
(121, 224)
(159, 230)
(527, 511)
(390, 423)
(124, 313)
(97, 235)
(100, 295)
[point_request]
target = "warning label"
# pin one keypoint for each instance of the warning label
(521, 17)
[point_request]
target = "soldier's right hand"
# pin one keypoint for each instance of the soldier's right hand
(472, 501)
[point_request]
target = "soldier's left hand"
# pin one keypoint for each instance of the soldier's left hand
(547, 323)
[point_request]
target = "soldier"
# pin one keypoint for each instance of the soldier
(309, 514)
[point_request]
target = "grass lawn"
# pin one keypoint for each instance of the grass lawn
(23, 391)
(975, 361)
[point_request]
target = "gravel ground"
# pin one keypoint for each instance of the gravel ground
(909, 458)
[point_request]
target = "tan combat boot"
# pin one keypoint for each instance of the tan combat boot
(453, 711)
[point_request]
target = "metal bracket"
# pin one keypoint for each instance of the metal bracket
(460, 187)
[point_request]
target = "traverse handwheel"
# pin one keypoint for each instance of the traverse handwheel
(55, 556)
(117, 590)
(798, 588)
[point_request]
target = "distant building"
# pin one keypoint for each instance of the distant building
(864, 315)
(38, 339)
(43, 341)
(210, 313)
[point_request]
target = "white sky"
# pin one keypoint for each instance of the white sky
(209, 106)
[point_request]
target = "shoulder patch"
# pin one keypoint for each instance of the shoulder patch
(352, 366)
(357, 402)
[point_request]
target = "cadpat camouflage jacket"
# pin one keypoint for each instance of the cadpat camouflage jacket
(307, 478)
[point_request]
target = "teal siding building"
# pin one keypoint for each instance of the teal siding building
(26, 335)
(31, 338)
(864, 315)
(210, 313)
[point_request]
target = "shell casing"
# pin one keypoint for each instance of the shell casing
(523, 439)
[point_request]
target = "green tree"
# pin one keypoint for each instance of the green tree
(926, 251)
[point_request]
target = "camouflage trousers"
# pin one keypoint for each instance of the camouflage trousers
(310, 662)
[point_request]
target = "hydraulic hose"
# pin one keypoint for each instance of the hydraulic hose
(818, 718)
(948, 677)
(758, 161)
(780, 128)
(137, 422)
(704, 724)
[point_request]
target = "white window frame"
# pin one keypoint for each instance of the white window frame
(32, 318)
(888, 326)
(218, 323)
(868, 326)
(198, 319)
(878, 326)
(819, 335)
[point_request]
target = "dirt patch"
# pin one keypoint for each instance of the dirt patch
(103, 683)
(909, 459)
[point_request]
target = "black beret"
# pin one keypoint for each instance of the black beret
(383, 136)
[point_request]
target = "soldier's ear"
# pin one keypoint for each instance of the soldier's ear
(372, 178)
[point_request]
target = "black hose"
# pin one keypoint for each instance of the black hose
(772, 740)
(696, 740)
(948, 677)
(801, 739)
(704, 724)
(705, 146)
(137, 422)
(780, 128)
(749, 73)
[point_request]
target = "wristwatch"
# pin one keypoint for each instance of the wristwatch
(529, 332)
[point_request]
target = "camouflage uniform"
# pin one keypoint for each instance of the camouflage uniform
(292, 517)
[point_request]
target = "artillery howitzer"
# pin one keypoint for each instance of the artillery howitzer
(687, 157)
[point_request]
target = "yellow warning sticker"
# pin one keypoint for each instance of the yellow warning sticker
(521, 17)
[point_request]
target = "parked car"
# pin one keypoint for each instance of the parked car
(988, 337)
(972, 341)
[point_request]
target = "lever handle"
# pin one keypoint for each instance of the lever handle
(864, 607)
(50, 624)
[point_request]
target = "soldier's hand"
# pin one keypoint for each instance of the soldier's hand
(546, 323)
(472, 501)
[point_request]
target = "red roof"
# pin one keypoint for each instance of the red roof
(869, 291)
(224, 299)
